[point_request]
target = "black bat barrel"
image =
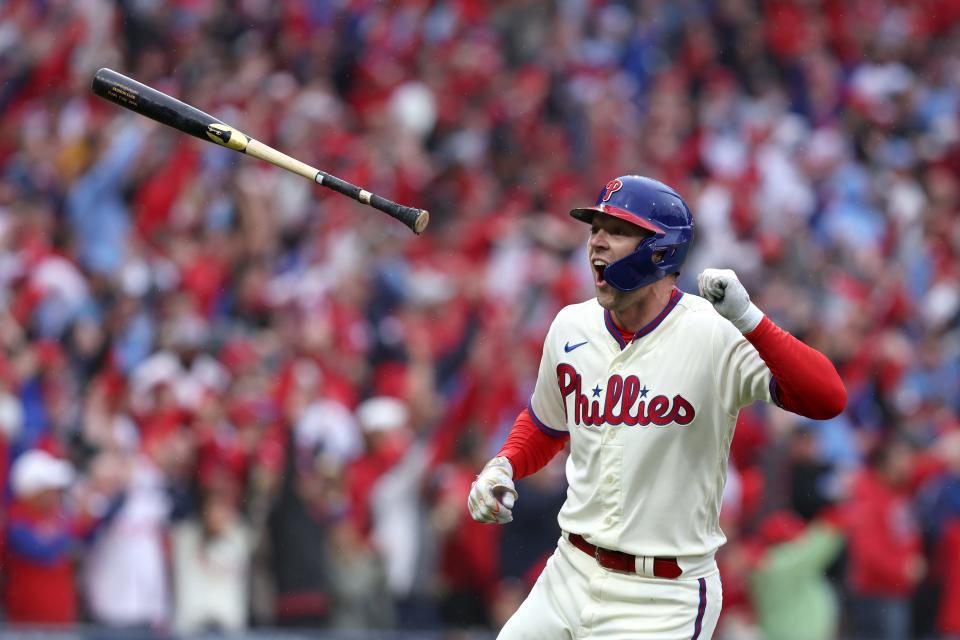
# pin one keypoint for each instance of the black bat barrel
(130, 94)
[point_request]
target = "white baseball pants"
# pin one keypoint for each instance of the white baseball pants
(577, 599)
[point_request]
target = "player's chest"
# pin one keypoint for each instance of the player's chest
(658, 384)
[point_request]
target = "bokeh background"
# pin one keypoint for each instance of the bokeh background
(273, 400)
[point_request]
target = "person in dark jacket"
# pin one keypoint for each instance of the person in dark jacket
(310, 501)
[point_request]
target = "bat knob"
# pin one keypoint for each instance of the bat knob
(421, 222)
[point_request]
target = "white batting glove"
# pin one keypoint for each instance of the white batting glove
(492, 494)
(731, 300)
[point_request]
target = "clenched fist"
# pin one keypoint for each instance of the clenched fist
(722, 288)
(492, 494)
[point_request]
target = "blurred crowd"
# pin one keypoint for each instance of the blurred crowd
(231, 398)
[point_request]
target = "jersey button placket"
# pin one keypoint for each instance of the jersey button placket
(609, 489)
(611, 433)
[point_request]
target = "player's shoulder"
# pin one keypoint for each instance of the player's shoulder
(578, 312)
(698, 314)
(578, 317)
(694, 304)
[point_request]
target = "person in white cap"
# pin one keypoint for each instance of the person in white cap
(382, 414)
(40, 539)
(39, 477)
(384, 489)
(383, 421)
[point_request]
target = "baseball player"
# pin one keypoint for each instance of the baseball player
(645, 382)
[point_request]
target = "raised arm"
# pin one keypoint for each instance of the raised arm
(803, 381)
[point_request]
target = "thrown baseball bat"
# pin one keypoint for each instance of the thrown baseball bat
(130, 94)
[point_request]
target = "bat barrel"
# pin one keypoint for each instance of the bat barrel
(130, 94)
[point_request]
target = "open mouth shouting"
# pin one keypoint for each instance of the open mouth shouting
(599, 266)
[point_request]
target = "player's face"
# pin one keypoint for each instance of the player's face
(611, 239)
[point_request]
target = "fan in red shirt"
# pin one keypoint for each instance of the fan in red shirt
(948, 552)
(886, 561)
(40, 540)
(469, 566)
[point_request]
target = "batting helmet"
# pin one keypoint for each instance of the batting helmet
(654, 206)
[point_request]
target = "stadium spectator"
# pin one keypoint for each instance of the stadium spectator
(41, 544)
(210, 562)
(125, 573)
(469, 561)
(791, 595)
(885, 546)
(309, 500)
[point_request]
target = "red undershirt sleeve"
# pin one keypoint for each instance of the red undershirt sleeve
(804, 380)
(528, 448)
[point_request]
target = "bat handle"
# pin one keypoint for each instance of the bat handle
(415, 219)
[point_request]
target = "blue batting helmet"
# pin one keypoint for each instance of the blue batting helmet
(654, 206)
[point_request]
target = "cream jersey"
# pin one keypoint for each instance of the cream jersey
(650, 422)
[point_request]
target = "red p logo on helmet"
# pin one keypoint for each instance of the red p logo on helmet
(610, 188)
